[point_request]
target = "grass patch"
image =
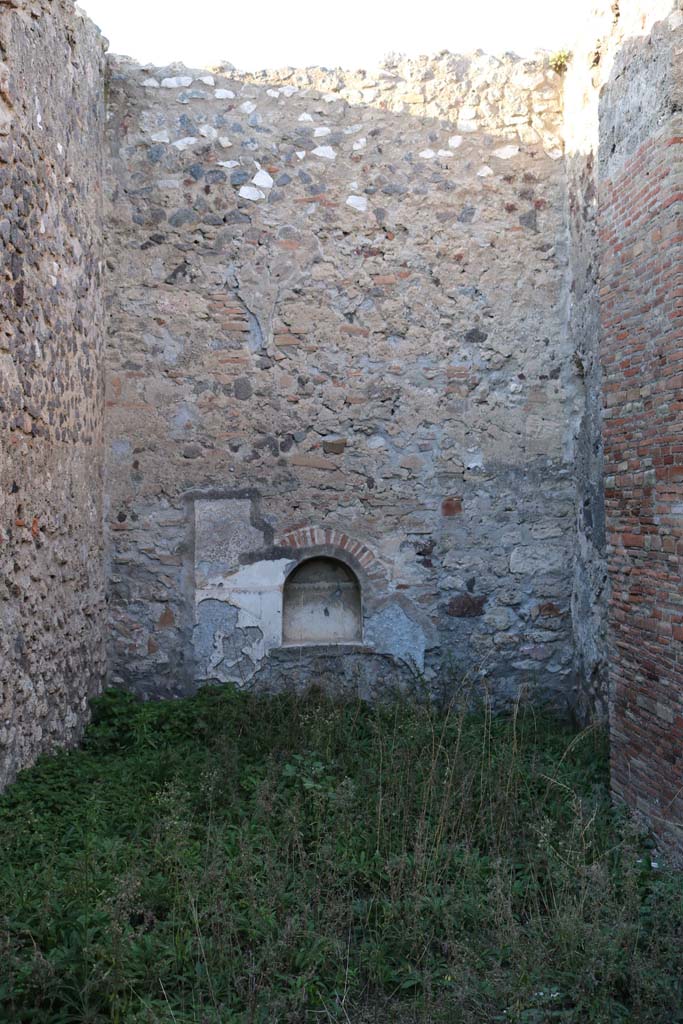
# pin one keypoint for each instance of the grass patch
(234, 858)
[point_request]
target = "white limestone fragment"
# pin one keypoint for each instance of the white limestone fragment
(455, 141)
(330, 97)
(506, 152)
(304, 117)
(359, 203)
(248, 107)
(185, 143)
(179, 82)
(301, 153)
(484, 172)
(351, 129)
(207, 79)
(555, 153)
(359, 143)
(262, 179)
(228, 163)
(249, 192)
(151, 83)
(224, 94)
(320, 131)
(208, 131)
(444, 152)
(326, 152)
(275, 93)
(160, 136)
(224, 141)
(288, 90)
(427, 154)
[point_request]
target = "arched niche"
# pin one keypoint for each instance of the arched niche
(322, 604)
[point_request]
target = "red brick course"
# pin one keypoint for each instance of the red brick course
(317, 536)
(641, 296)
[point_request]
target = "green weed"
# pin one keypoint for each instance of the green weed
(240, 859)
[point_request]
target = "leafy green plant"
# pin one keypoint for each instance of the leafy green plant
(239, 859)
(559, 61)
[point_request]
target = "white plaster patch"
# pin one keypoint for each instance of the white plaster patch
(325, 152)
(249, 192)
(180, 82)
(506, 152)
(223, 532)
(359, 203)
(256, 592)
(262, 179)
(185, 143)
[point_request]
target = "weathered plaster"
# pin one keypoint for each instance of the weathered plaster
(344, 295)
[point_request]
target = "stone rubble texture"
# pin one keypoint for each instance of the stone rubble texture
(52, 612)
(325, 337)
(424, 320)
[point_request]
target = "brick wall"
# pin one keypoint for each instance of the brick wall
(641, 304)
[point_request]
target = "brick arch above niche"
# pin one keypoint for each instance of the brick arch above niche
(319, 536)
(324, 541)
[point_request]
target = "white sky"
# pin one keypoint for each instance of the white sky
(260, 34)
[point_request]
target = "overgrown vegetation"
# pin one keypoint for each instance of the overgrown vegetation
(232, 858)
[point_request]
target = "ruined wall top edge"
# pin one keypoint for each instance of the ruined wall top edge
(474, 92)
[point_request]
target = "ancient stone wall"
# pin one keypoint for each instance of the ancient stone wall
(641, 268)
(52, 618)
(338, 327)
